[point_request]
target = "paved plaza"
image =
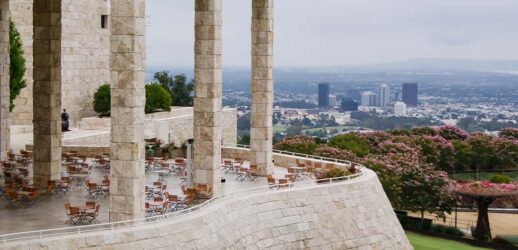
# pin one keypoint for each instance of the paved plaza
(49, 214)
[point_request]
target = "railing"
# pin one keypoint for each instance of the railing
(313, 157)
(42, 234)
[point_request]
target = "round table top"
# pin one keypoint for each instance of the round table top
(21, 192)
(79, 175)
(156, 203)
(160, 171)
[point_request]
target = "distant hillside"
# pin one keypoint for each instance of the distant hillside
(509, 66)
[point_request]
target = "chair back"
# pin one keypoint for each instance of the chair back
(74, 211)
(90, 204)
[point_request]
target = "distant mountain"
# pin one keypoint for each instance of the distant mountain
(449, 64)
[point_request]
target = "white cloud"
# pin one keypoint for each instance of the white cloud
(342, 32)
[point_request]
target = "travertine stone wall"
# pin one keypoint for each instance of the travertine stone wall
(207, 99)
(4, 79)
(85, 56)
(345, 215)
(21, 14)
(47, 89)
(127, 109)
(179, 128)
(262, 86)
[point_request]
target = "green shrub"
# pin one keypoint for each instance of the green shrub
(157, 98)
(336, 172)
(447, 230)
(351, 142)
(499, 179)
(102, 100)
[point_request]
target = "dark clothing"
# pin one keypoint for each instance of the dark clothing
(64, 122)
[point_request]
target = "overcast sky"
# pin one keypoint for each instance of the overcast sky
(344, 32)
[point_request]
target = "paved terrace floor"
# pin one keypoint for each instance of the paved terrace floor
(51, 213)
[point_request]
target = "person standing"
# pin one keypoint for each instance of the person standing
(64, 121)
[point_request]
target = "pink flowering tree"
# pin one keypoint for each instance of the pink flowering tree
(451, 133)
(409, 183)
(509, 133)
(484, 193)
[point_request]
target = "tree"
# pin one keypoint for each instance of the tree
(424, 189)
(157, 98)
(243, 122)
(452, 133)
(297, 144)
(102, 100)
(484, 193)
(177, 86)
(244, 139)
(17, 67)
(351, 142)
(509, 133)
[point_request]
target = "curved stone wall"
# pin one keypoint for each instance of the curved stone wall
(353, 214)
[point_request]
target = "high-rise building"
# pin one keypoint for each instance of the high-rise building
(410, 94)
(399, 109)
(383, 95)
(323, 95)
(349, 104)
(332, 101)
(368, 98)
(353, 94)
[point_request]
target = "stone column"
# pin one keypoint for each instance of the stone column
(4, 79)
(47, 89)
(127, 109)
(262, 86)
(207, 99)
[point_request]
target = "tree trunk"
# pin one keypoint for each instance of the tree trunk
(483, 231)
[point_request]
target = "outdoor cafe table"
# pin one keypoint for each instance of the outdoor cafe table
(298, 173)
(84, 209)
(161, 175)
(79, 179)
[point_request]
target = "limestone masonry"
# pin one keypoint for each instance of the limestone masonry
(85, 55)
(346, 215)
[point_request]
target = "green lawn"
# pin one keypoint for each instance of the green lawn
(421, 242)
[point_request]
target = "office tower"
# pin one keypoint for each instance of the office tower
(410, 94)
(332, 100)
(399, 109)
(353, 94)
(323, 95)
(383, 95)
(368, 98)
(349, 104)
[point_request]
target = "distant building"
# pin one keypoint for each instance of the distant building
(399, 109)
(410, 94)
(332, 101)
(323, 95)
(383, 95)
(349, 104)
(353, 94)
(368, 98)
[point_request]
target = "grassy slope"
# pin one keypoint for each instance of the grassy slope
(421, 242)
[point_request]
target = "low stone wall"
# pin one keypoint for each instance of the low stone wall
(280, 160)
(82, 150)
(348, 215)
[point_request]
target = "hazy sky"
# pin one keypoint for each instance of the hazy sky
(344, 32)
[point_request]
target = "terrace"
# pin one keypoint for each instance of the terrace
(272, 205)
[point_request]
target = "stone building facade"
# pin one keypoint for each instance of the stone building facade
(85, 52)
